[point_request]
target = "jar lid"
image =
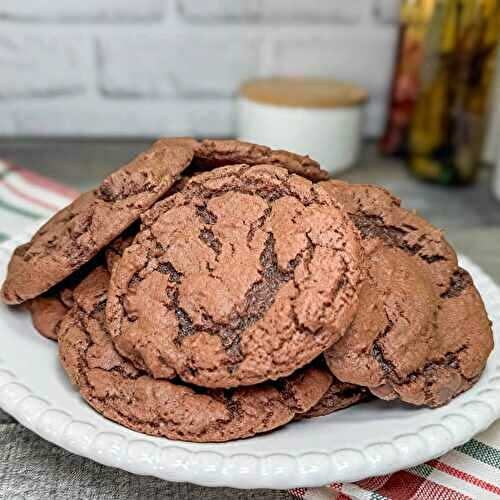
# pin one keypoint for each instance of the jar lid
(303, 92)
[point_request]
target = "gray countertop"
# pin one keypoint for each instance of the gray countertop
(470, 217)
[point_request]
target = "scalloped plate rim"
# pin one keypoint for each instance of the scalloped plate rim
(272, 470)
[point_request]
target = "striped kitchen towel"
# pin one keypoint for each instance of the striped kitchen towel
(469, 471)
(26, 197)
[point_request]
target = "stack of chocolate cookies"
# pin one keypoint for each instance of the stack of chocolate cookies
(210, 291)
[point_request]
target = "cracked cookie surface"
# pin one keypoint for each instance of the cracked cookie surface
(379, 218)
(77, 233)
(421, 333)
(246, 275)
(391, 335)
(461, 342)
(116, 389)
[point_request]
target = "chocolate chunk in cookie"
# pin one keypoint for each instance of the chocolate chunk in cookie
(246, 275)
(77, 233)
(115, 388)
(421, 333)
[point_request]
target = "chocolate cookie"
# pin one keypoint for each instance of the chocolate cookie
(115, 388)
(47, 312)
(339, 395)
(77, 233)
(460, 345)
(395, 343)
(217, 153)
(114, 251)
(379, 217)
(393, 325)
(244, 276)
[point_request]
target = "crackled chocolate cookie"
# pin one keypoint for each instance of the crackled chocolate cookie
(244, 276)
(115, 388)
(77, 233)
(48, 310)
(460, 345)
(395, 343)
(217, 153)
(393, 325)
(379, 217)
(339, 396)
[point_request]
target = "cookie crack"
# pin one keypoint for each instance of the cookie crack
(343, 281)
(450, 359)
(78, 249)
(121, 185)
(168, 269)
(372, 226)
(206, 215)
(288, 395)
(387, 366)
(186, 328)
(232, 405)
(460, 280)
(268, 193)
(258, 299)
(378, 353)
(208, 237)
(254, 226)
(83, 366)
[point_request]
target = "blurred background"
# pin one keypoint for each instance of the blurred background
(125, 68)
(84, 86)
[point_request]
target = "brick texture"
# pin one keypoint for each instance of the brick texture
(346, 11)
(187, 66)
(323, 11)
(220, 10)
(365, 60)
(82, 10)
(151, 67)
(36, 65)
(150, 75)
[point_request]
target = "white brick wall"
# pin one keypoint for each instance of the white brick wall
(82, 10)
(152, 67)
(42, 65)
(165, 66)
(323, 11)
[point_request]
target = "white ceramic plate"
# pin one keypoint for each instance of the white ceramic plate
(366, 440)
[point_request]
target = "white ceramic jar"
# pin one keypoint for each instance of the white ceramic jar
(496, 177)
(491, 152)
(315, 116)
